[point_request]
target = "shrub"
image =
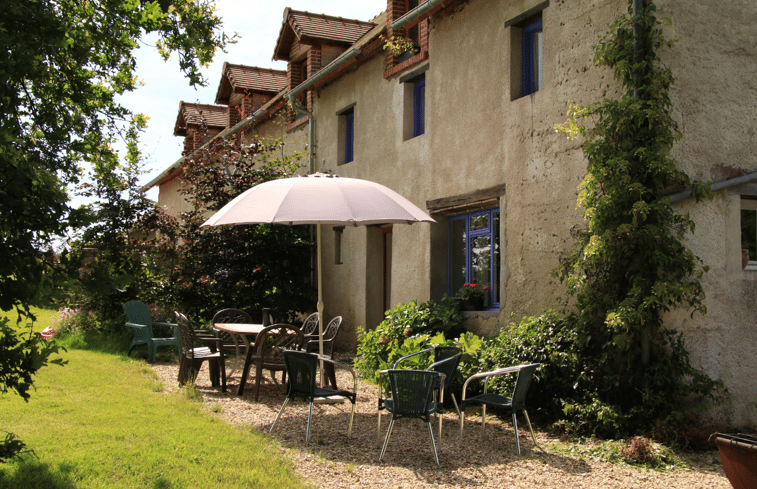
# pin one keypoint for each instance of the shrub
(407, 329)
(75, 321)
(548, 339)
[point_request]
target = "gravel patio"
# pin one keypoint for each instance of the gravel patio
(333, 461)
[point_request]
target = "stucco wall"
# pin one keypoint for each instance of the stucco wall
(478, 136)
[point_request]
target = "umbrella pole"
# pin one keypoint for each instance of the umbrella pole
(320, 298)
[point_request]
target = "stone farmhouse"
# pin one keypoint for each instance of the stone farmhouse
(463, 126)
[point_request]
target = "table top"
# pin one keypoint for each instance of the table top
(239, 328)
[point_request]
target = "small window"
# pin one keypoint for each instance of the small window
(346, 137)
(749, 233)
(473, 253)
(533, 58)
(419, 107)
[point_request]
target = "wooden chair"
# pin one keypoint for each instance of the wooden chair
(268, 352)
(192, 357)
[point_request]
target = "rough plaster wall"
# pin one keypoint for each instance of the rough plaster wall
(477, 137)
(715, 100)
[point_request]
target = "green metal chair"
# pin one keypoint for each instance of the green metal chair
(140, 320)
(515, 403)
(303, 371)
(412, 397)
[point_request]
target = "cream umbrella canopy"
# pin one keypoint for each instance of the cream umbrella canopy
(318, 199)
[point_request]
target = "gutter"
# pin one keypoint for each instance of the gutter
(415, 13)
(223, 134)
(322, 73)
(732, 182)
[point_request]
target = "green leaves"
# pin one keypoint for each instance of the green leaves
(629, 265)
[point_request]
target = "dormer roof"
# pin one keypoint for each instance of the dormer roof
(241, 78)
(215, 117)
(308, 28)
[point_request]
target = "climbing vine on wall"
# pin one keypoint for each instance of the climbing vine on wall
(630, 265)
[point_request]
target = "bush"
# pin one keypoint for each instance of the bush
(548, 339)
(407, 329)
(74, 321)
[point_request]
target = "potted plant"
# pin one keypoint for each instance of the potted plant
(472, 297)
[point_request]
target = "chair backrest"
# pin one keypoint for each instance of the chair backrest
(187, 335)
(331, 329)
(232, 316)
(301, 368)
(310, 326)
(522, 383)
(412, 392)
(446, 360)
(271, 342)
(138, 313)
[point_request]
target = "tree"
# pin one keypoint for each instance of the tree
(64, 64)
(246, 267)
(630, 266)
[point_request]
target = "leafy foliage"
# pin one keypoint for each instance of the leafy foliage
(248, 266)
(410, 328)
(630, 265)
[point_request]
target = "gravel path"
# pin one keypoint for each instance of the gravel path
(332, 461)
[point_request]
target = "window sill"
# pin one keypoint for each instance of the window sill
(390, 72)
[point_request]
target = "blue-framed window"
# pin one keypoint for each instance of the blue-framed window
(533, 58)
(419, 107)
(349, 136)
(473, 253)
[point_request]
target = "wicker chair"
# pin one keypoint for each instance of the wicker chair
(412, 393)
(514, 404)
(446, 360)
(302, 368)
(192, 357)
(140, 320)
(268, 351)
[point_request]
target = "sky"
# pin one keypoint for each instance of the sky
(258, 23)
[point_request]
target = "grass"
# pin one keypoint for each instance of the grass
(103, 421)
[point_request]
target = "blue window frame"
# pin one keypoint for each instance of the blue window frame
(533, 58)
(349, 136)
(473, 253)
(419, 107)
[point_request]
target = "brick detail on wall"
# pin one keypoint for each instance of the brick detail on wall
(396, 9)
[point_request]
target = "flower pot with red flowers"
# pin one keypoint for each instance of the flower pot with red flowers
(472, 297)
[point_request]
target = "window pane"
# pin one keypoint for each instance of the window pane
(495, 259)
(457, 256)
(749, 232)
(538, 61)
(479, 222)
(481, 260)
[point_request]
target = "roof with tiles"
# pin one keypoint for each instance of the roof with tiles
(307, 27)
(215, 116)
(241, 78)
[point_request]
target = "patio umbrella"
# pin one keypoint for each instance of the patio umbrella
(318, 199)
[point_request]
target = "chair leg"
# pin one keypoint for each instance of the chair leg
(530, 427)
(386, 440)
(352, 416)
(310, 421)
(222, 368)
(378, 430)
(258, 374)
(279, 415)
(454, 401)
(433, 444)
(483, 419)
(517, 437)
(150, 352)
(245, 371)
(462, 425)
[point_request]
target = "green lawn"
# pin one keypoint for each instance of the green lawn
(103, 421)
